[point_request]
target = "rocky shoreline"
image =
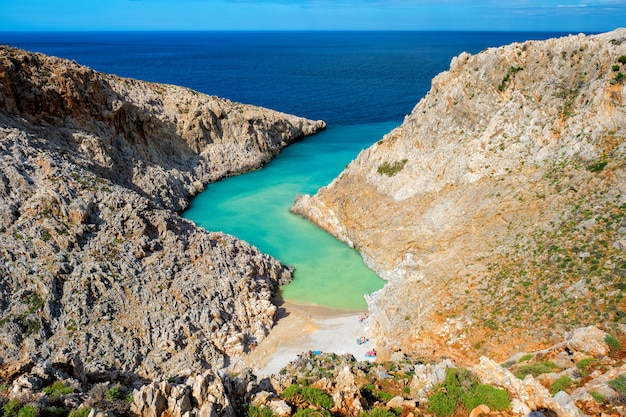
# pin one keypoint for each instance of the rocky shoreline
(111, 304)
(94, 256)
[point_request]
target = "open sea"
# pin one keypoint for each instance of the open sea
(361, 83)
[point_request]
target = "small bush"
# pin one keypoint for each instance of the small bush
(57, 389)
(535, 369)
(259, 411)
(309, 395)
(622, 59)
(583, 364)
(526, 358)
(308, 412)
(28, 411)
(619, 384)
(597, 396)
(11, 408)
(615, 67)
(495, 398)
(442, 404)
(112, 393)
(81, 412)
(392, 169)
(597, 167)
(613, 343)
(562, 384)
(378, 412)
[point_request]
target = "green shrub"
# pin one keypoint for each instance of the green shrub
(378, 412)
(460, 387)
(622, 59)
(57, 389)
(526, 358)
(442, 404)
(615, 67)
(535, 369)
(112, 393)
(495, 398)
(583, 364)
(562, 384)
(259, 411)
(597, 167)
(309, 395)
(56, 411)
(619, 384)
(308, 412)
(391, 169)
(613, 343)
(28, 411)
(81, 412)
(11, 408)
(597, 396)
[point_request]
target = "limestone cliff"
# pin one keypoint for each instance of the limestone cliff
(94, 258)
(497, 210)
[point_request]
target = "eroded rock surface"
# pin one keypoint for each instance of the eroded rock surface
(94, 257)
(496, 211)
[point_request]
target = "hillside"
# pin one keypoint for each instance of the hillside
(497, 210)
(95, 260)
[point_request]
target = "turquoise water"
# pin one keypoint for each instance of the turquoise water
(255, 207)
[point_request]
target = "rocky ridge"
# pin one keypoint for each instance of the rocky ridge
(94, 259)
(584, 374)
(497, 210)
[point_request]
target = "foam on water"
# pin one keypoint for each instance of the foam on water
(255, 207)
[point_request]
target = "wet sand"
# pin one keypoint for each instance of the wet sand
(303, 328)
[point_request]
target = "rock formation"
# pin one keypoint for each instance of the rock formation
(497, 210)
(94, 257)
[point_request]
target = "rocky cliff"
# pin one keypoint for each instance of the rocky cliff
(94, 258)
(497, 210)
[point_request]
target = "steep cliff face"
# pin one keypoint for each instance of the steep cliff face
(496, 211)
(93, 255)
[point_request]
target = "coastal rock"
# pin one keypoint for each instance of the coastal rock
(94, 257)
(483, 209)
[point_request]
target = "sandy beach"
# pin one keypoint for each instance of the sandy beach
(302, 328)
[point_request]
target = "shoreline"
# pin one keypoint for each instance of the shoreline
(302, 328)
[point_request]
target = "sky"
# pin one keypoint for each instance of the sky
(524, 15)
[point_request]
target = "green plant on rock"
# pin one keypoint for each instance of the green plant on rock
(562, 384)
(535, 369)
(391, 169)
(599, 398)
(57, 389)
(378, 412)
(619, 384)
(11, 408)
(309, 395)
(259, 411)
(461, 388)
(28, 411)
(81, 412)
(113, 393)
(309, 412)
(613, 343)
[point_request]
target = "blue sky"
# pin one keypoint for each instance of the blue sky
(542, 15)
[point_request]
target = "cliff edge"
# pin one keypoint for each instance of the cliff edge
(94, 258)
(497, 210)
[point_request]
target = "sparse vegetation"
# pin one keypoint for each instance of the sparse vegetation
(511, 71)
(57, 389)
(391, 169)
(613, 343)
(537, 368)
(259, 411)
(619, 384)
(461, 388)
(564, 383)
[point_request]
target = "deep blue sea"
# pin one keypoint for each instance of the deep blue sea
(361, 83)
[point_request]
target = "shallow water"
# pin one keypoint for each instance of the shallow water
(255, 207)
